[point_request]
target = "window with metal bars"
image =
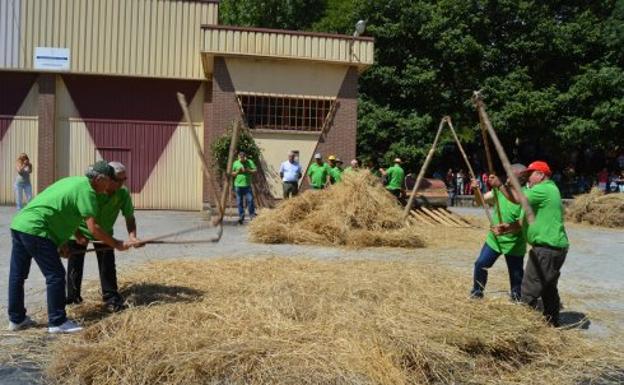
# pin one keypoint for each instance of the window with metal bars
(285, 113)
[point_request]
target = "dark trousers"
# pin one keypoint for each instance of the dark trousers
(541, 278)
(486, 260)
(106, 266)
(291, 189)
(244, 193)
(25, 248)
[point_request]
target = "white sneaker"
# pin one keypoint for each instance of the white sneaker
(66, 327)
(25, 324)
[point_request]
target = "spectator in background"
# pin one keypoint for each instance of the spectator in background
(395, 176)
(484, 182)
(450, 186)
(318, 173)
(460, 182)
(22, 180)
(290, 172)
(603, 179)
(242, 169)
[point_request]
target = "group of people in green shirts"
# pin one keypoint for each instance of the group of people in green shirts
(62, 220)
(321, 174)
(511, 232)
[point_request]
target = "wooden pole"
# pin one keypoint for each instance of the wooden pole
(198, 146)
(477, 192)
(490, 163)
(423, 169)
(225, 193)
(478, 101)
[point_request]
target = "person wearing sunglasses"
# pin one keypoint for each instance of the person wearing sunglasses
(116, 199)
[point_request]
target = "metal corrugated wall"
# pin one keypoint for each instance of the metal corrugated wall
(153, 38)
(9, 33)
(232, 41)
(20, 136)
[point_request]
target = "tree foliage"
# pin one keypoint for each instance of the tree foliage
(551, 72)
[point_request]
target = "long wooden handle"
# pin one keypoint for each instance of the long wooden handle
(423, 169)
(477, 192)
(225, 193)
(503, 156)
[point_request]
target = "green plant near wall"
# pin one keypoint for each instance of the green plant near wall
(221, 147)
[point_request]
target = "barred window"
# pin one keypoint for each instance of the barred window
(285, 113)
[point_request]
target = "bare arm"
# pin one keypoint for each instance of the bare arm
(103, 236)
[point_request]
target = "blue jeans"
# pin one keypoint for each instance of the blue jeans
(486, 260)
(22, 189)
(25, 248)
(245, 193)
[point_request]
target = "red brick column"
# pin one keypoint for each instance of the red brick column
(340, 139)
(220, 110)
(47, 121)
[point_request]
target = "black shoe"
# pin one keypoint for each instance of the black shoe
(115, 305)
(241, 220)
(74, 300)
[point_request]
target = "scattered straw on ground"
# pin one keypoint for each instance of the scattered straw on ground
(597, 208)
(357, 212)
(282, 321)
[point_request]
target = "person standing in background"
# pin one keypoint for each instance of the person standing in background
(22, 180)
(290, 172)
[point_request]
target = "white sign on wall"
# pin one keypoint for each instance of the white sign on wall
(52, 59)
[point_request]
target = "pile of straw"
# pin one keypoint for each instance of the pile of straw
(357, 212)
(283, 321)
(597, 208)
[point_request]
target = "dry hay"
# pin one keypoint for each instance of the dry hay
(356, 212)
(597, 208)
(282, 321)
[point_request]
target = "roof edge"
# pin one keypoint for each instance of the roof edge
(287, 32)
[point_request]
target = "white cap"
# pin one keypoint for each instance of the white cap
(318, 156)
(118, 167)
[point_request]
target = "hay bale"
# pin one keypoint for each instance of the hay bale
(284, 321)
(597, 208)
(357, 212)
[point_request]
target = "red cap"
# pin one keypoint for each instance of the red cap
(541, 166)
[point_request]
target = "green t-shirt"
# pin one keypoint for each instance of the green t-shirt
(336, 174)
(56, 212)
(318, 174)
(396, 175)
(243, 179)
(110, 206)
(508, 244)
(548, 229)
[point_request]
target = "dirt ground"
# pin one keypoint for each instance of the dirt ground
(591, 284)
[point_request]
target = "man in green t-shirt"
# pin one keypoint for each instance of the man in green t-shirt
(335, 172)
(43, 226)
(318, 173)
(546, 235)
(242, 170)
(116, 199)
(511, 244)
(395, 176)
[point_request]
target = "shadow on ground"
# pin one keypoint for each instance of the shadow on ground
(143, 294)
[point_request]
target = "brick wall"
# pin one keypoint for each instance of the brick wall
(220, 109)
(47, 121)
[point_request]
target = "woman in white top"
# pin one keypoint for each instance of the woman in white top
(22, 180)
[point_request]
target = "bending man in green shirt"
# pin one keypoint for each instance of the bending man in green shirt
(116, 199)
(511, 244)
(546, 235)
(43, 226)
(242, 169)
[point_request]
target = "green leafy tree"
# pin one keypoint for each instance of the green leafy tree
(283, 14)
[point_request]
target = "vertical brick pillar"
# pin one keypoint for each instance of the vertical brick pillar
(220, 110)
(47, 121)
(340, 139)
